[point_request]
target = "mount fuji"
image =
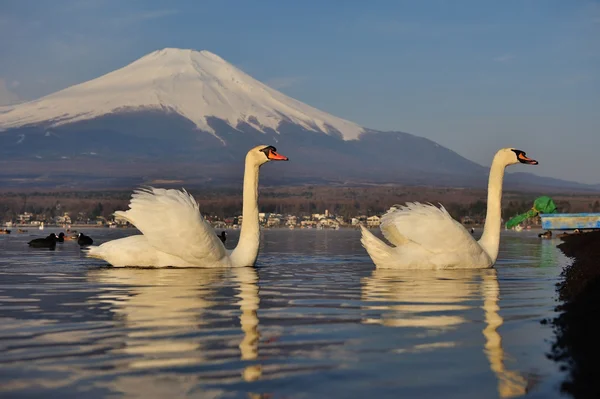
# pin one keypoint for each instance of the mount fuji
(196, 85)
(182, 115)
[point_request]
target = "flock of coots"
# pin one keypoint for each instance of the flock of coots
(82, 240)
(52, 239)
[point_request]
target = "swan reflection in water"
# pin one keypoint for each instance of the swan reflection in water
(425, 297)
(164, 312)
(247, 278)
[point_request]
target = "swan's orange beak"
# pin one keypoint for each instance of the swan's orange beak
(273, 156)
(524, 159)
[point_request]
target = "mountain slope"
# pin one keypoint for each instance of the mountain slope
(193, 84)
(190, 116)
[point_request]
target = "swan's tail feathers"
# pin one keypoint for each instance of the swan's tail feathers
(121, 215)
(381, 253)
(93, 251)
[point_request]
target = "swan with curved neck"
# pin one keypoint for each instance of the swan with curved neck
(426, 237)
(174, 233)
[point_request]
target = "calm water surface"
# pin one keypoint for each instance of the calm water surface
(314, 319)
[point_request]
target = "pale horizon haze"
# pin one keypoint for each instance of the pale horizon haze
(471, 75)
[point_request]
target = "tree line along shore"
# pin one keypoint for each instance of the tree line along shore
(343, 203)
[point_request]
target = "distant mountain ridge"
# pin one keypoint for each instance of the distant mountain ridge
(189, 116)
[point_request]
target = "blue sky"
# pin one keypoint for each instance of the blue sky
(473, 75)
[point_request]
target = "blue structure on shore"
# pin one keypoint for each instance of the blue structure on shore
(570, 221)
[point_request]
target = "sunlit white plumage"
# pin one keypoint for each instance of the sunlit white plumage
(174, 233)
(427, 237)
(172, 229)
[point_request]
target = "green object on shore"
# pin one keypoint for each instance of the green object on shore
(542, 204)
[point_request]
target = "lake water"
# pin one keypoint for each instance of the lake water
(313, 320)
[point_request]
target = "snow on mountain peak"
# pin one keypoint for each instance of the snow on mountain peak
(194, 84)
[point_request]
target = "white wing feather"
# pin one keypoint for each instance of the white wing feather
(391, 233)
(428, 226)
(172, 223)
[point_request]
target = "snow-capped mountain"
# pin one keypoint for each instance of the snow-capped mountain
(194, 84)
(184, 115)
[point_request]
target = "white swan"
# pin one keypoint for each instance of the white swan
(426, 237)
(176, 234)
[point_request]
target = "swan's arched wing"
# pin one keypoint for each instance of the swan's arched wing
(391, 233)
(428, 226)
(172, 223)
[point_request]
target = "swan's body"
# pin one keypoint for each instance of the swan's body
(427, 237)
(424, 237)
(174, 233)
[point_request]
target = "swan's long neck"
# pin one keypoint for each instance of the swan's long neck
(246, 251)
(490, 240)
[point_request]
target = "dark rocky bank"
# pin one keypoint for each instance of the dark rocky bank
(577, 328)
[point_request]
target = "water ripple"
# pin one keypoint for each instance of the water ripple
(313, 319)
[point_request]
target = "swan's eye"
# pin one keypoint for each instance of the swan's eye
(272, 155)
(522, 157)
(267, 150)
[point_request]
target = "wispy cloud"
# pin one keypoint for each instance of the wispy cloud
(143, 16)
(7, 97)
(86, 4)
(391, 25)
(284, 82)
(577, 79)
(504, 58)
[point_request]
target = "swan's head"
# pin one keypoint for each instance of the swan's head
(513, 156)
(264, 153)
